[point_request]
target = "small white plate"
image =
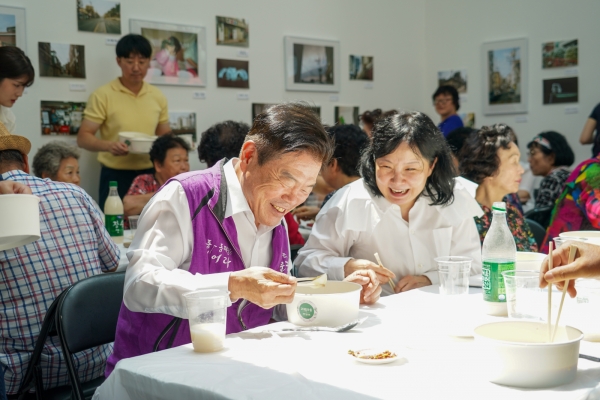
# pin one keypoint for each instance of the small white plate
(360, 352)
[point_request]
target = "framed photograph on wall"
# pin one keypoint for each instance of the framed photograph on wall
(346, 115)
(99, 16)
(312, 64)
(178, 52)
(232, 32)
(505, 77)
(12, 27)
(61, 117)
(560, 54)
(361, 68)
(258, 108)
(561, 90)
(61, 60)
(233, 73)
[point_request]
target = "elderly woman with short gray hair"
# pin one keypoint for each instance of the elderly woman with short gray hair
(58, 161)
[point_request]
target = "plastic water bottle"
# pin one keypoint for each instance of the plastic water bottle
(113, 214)
(499, 254)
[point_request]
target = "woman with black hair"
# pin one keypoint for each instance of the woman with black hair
(445, 100)
(16, 73)
(490, 158)
(550, 156)
(406, 207)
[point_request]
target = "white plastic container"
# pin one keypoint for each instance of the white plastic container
(139, 143)
(517, 353)
(20, 216)
(529, 261)
(333, 305)
(592, 237)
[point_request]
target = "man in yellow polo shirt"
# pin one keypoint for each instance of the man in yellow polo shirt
(124, 105)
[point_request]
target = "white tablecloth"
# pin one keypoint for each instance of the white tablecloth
(315, 365)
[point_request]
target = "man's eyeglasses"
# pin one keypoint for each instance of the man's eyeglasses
(442, 101)
(139, 61)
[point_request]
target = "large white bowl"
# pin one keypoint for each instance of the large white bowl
(333, 305)
(517, 353)
(592, 237)
(139, 143)
(529, 261)
(19, 220)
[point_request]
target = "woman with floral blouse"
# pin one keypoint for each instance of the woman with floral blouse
(490, 158)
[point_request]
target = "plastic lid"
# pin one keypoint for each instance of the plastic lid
(112, 184)
(499, 206)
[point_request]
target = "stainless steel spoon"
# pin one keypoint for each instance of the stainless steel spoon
(341, 328)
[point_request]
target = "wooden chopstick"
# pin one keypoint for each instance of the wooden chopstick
(390, 281)
(572, 253)
(550, 247)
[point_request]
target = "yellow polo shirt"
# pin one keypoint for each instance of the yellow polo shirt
(118, 109)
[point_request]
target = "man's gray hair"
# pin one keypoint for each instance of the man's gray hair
(47, 159)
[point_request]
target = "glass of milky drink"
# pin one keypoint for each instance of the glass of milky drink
(207, 311)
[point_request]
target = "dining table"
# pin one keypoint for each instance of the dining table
(431, 334)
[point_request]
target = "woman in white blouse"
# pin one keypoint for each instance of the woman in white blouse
(16, 73)
(407, 208)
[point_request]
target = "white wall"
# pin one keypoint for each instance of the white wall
(392, 31)
(455, 33)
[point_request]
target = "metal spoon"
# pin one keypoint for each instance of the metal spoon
(341, 328)
(316, 281)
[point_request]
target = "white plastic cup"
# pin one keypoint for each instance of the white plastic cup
(207, 313)
(454, 275)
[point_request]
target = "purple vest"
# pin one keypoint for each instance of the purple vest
(216, 250)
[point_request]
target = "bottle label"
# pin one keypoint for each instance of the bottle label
(493, 281)
(114, 224)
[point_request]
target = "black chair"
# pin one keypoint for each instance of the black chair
(538, 232)
(540, 215)
(84, 316)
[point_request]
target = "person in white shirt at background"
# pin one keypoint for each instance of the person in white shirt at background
(16, 73)
(407, 208)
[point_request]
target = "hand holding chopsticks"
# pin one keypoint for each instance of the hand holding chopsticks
(390, 281)
(572, 254)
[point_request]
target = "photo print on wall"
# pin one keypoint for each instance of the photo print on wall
(233, 74)
(560, 54)
(361, 68)
(178, 52)
(183, 124)
(257, 108)
(232, 32)
(99, 16)
(61, 60)
(505, 77)
(312, 64)
(468, 119)
(61, 117)
(561, 90)
(455, 78)
(346, 115)
(12, 27)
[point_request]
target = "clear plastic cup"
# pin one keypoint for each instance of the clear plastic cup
(524, 298)
(454, 275)
(558, 241)
(207, 312)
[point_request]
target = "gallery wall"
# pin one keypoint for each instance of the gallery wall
(391, 31)
(456, 29)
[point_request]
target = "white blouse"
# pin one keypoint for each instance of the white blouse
(8, 119)
(356, 224)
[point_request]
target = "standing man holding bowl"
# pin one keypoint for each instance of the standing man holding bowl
(127, 104)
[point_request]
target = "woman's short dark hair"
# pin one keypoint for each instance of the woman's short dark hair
(563, 154)
(370, 117)
(15, 64)
(222, 140)
(132, 44)
(350, 141)
(163, 144)
(449, 90)
(456, 139)
(424, 138)
(479, 155)
(290, 127)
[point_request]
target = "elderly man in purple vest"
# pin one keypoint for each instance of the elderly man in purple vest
(223, 228)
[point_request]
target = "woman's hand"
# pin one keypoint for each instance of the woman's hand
(410, 282)
(586, 265)
(12, 187)
(370, 285)
(306, 212)
(383, 274)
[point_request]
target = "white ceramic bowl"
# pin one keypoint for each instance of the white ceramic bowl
(333, 305)
(517, 353)
(20, 216)
(592, 237)
(529, 261)
(139, 143)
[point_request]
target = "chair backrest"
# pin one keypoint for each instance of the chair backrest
(540, 215)
(88, 311)
(538, 231)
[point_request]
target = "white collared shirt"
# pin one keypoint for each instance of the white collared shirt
(161, 251)
(356, 224)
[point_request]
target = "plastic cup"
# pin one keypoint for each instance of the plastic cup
(454, 275)
(207, 312)
(587, 306)
(558, 241)
(524, 298)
